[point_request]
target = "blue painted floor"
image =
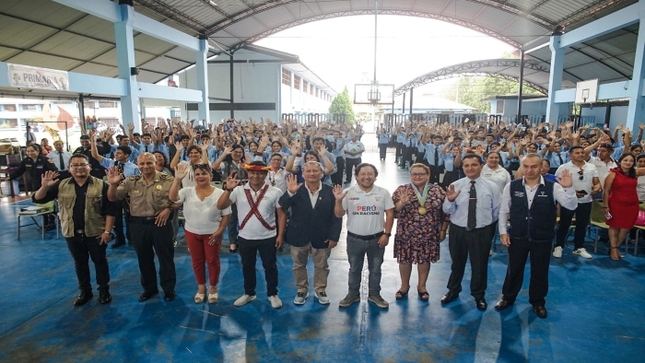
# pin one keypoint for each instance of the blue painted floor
(595, 311)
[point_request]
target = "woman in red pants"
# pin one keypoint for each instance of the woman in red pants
(204, 225)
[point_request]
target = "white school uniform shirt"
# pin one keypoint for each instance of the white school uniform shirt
(586, 184)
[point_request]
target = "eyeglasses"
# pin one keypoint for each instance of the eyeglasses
(418, 175)
(582, 175)
(78, 165)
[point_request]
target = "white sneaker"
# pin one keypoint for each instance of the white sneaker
(582, 252)
(244, 299)
(322, 298)
(276, 303)
(557, 252)
(300, 298)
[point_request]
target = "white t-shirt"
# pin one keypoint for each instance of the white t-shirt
(254, 230)
(366, 211)
(500, 177)
(202, 216)
(589, 172)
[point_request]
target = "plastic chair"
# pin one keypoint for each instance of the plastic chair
(48, 209)
(597, 220)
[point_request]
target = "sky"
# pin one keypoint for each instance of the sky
(341, 50)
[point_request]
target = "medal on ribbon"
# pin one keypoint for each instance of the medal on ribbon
(421, 198)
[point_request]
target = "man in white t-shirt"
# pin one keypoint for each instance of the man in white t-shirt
(370, 215)
(586, 184)
(260, 230)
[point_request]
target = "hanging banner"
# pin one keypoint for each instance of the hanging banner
(21, 76)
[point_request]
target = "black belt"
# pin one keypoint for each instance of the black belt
(365, 238)
(143, 220)
(469, 229)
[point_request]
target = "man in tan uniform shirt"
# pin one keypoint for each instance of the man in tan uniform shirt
(149, 222)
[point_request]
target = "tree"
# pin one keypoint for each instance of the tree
(472, 90)
(341, 104)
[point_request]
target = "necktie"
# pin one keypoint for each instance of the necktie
(436, 156)
(472, 207)
(184, 155)
(560, 157)
(146, 148)
(61, 161)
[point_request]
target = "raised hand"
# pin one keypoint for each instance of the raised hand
(206, 144)
(565, 180)
(181, 170)
(292, 184)
(49, 179)
(231, 181)
(451, 193)
(228, 150)
(339, 193)
(131, 127)
(113, 175)
(405, 198)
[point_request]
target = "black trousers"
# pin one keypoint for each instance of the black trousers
(518, 252)
(349, 168)
(476, 245)
(82, 249)
(122, 211)
(382, 148)
(407, 155)
(337, 177)
(233, 228)
(399, 150)
(435, 172)
(248, 251)
(148, 239)
(583, 214)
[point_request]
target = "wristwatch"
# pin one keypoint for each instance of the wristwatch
(387, 234)
(107, 232)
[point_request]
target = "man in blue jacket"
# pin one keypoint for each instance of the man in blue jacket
(313, 229)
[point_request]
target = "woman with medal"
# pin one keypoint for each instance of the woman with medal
(421, 226)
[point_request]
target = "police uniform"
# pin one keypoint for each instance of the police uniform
(147, 200)
(34, 170)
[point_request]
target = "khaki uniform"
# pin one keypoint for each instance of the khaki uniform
(146, 201)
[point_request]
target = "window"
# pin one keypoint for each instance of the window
(107, 104)
(286, 76)
(311, 89)
(305, 86)
(109, 121)
(11, 108)
(30, 107)
(296, 81)
(9, 123)
(317, 92)
(500, 106)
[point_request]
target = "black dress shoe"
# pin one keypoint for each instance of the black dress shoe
(502, 304)
(145, 296)
(169, 296)
(481, 304)
(540, 311)
(83, 298)
(448, 297)
(105, 297)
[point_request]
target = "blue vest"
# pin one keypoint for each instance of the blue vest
(536, 224)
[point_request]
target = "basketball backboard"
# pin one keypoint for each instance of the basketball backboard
(587, 91)
(373, 94)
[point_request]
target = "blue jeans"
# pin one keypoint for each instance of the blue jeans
(356, 250)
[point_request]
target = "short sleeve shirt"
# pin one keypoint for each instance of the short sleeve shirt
(366, 211)
(253, 229)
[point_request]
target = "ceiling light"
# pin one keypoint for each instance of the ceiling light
(212, 3)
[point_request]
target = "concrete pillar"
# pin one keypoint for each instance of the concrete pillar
(636, 109)
(555, 78)
(201, 66)
(127, 66)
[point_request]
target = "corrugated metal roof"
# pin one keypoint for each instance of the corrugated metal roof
(46, 34)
